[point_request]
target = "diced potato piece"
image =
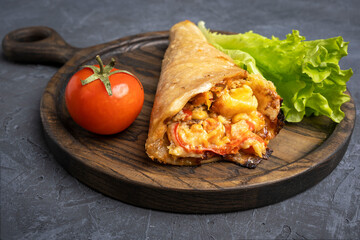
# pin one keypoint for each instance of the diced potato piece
(223, 120)
(268, 100)
(239, 128)
(199, 113)
(257, 119)
(238, 100)
(195, 135)
(254, 117)
(241, 93)
(240, 116)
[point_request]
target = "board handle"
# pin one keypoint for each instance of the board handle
(37, 45)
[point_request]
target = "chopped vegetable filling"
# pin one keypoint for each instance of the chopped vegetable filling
(223, 121)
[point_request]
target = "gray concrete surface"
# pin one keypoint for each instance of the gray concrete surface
(39, 200)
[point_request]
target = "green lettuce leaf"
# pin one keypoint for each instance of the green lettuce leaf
(306, 74)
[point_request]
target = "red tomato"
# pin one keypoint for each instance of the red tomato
(95, 110)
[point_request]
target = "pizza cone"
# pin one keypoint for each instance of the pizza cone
(206, 108)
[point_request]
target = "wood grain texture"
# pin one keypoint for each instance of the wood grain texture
(117, 165)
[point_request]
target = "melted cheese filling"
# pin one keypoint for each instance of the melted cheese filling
(222, 121)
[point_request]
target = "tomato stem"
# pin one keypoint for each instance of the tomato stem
(98, 59)
(112, 63)
(103, 73)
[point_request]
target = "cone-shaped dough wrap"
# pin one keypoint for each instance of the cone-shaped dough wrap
(190, 66)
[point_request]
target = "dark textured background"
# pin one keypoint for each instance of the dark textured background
(39, 200)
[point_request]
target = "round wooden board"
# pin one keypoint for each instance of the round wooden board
(117, 165)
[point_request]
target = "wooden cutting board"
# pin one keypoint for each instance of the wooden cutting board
(117, 165)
